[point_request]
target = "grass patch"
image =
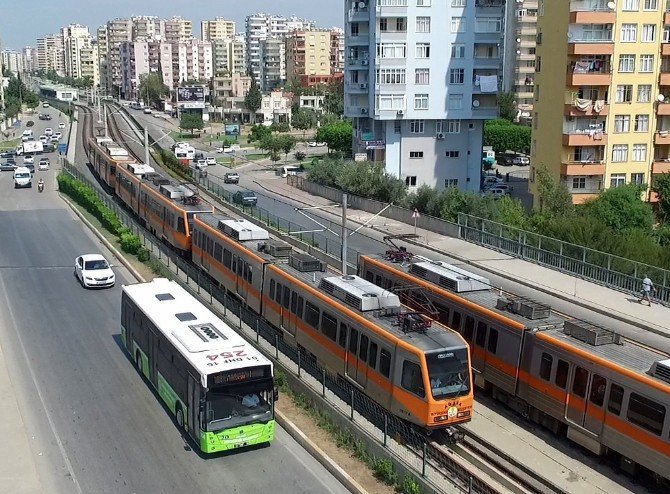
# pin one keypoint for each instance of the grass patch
(11, 144)
(254, 156)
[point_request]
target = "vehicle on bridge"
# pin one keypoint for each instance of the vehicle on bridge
(219, 388)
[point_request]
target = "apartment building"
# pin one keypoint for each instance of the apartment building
(147, 27)
(273, 63)
(29, 54)
(144, 57)
(13, 61)
(191, 60)
(50, 54)
(308, 53)
(228, 97)
(76, 39)
(336, 50)
(117, 31)
(229, 55)
(601, 118)
(417, 95)
(178, 30)
(88, 62)
(218, 28)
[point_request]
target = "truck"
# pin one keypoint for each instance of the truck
(30, 147)
(488, 157)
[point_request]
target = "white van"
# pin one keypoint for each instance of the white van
(286, 170)
(22, 177)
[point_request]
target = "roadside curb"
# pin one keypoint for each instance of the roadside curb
(105, 242)
(602, 311)
(329, 464)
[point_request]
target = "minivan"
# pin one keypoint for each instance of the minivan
(286, 170)
(22, 177)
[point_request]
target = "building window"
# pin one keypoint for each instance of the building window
(423, 24)
(423, 3)
(384, 24)
(631, 5)
(641, 123)
(401, 24)
(450, 182)
(578, 182)
(452, 126)
(617, 179)
(452, 154)
(420, 101)
(392, 102)
(423, 50)
(646, 63)
(455, 102)
(649, 33)
(650, 4)
(488, 24)
(458, 51)
(639, 152)
(390, 76)
(391, 50)
(629, 33)
(457, 25)
(416, 155)
(458, 3)
(644, 93)
(637, 178)
(397, 127)
(410, 181)
(456, 76)
(624, 93)
(626, 63)
(416, 126)
(422, 76)
(619, 153)
(622, 123)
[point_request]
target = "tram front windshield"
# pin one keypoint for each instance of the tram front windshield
(449, 373)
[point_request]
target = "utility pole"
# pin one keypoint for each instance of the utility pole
(99, 106)
(344, 234)
(146, 146)
(104, 108)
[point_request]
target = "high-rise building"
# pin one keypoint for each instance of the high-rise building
(29, 58)
(50, 54)
(76, 38)
(308, 53)
(605, 120)
(144, 57)
(229, 55)
(192, 60)
(273, 63)
(258, 28)
(147, 27)
(13, 61)
(178, 30)
(418, 99)
(117, 32)
(218, 28)
(336, 50)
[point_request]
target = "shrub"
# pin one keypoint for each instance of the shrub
(385, 471)
(130, 243)
(143, 254)
(300, 155)
(409, 485)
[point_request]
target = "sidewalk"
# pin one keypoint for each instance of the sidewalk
(589, 295)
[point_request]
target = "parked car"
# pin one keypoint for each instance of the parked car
(505, 159)
(231, 178)
(504, 187)
(147, 111)
(223, 149)
(495, 193)
(30, 123)
(210, 160)
(490, 181)
(521, 160)
(314, 144)
(245, 198)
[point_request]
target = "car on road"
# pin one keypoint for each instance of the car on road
(30, 123)
(28, 159)
(48, 148)
(30, 166)
(45, 105)
(93, 270)
(210, 160)
(61, 125)
(200, 164)
(47, 116)
(147, 111)
(198, 156)
(48, 132)
(44, 139)
(231, 178)
(54, 140)
(7, 166)
(521, 160)
(42, 116)
(223, 149)
(315, 144)
(58, 134)
(43, 164)
(8, 154)
(245, 198)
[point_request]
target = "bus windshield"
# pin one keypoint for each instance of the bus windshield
(230, 406)
(449, 373)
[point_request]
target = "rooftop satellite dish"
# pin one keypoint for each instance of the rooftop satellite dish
(475, 103)
(611, 5)
(660, 98)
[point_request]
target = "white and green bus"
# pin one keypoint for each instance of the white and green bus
(219, 388)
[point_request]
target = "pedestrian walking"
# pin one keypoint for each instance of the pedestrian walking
(647, 288)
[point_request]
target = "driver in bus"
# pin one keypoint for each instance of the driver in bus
(251, 400)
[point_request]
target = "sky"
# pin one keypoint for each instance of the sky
(21, 22)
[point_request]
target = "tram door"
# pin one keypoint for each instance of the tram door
(585, 400)
(356, 350)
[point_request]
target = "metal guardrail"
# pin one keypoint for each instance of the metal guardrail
(389, 427)
(609, 270)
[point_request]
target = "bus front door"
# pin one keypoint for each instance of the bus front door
(193, 398)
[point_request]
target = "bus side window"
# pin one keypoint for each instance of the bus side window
(363, 349)
(228, 258)
(300, 304)
(287, 298)
(294, 302)
(372, 358)
(181, 228)
(378, 280)
(493, 341)
(561, 378)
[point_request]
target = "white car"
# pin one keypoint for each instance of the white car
(48, 131)
(43, 164)
(28, 160)
(93, 270)
(210, 160)
(58, 134)
(200, 164)
(147, 111)
(61, 125)
(316, 144)
(44, 139)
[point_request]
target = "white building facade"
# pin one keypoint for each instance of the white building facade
(415, 91)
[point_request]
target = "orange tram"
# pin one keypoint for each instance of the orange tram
(606, 393)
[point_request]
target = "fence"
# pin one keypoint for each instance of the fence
(413, 449)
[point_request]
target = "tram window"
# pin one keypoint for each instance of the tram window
(456, 321)
(287, 298)
(561, 378)
(411, 378)
(250, 273)
(545, 366)
(227, 258)
(579, 382)
(646, 413)
(480, 338)
(442, 314)
(300, 304)
(493, 341)
(272, 289)
(278, 294)
(372, 358)
(353, 341)
(363, 349)
(294, 302)
(218, 252)
(312, 315)
(378, 280)
(385, 362)
(342, 337)
(233, 267)
(469, 327)
(369, 276)
(615, 399)
(329, 325)
(181, 228)
(598, 384)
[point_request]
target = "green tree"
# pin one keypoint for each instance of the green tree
(287, 143)
(661, 186)
(621, 209)
(337, 136)
(555, 198)
(303, 119)
(271, 143)
(506, 106)
(253, 99)
(258, 132)
(151, 88)
(503, 135)
(333, 100)
(293, 86)
(191, 121)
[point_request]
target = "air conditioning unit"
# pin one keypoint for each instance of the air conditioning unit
(439, 135)
(364, 85)
(364, 111)
(401, 112)
(364, 62)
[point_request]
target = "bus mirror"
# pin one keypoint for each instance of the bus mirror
(276, 394)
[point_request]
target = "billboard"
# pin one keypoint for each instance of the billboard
(191, 97)
(232, 129)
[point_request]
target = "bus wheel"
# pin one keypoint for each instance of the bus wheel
(179, 413)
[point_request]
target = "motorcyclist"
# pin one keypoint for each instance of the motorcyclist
(40, 185)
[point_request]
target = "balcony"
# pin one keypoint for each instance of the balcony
(591, 47)
(594, 16)
(585, 138)
(362, 62)
(663, 109)
(482, 4)
(486, 62)
(361, 39)
(662, 137)
(665, 48)
(586, 108)
(664, 79)
(582, 74)
(357, 87)
(358, 14)
(391, 7)
(660, 165)
(581, 168)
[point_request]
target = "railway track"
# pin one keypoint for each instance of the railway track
(475, 464)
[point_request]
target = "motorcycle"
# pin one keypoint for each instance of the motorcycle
(40, 186)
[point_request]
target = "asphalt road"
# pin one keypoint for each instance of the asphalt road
(96, 425)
